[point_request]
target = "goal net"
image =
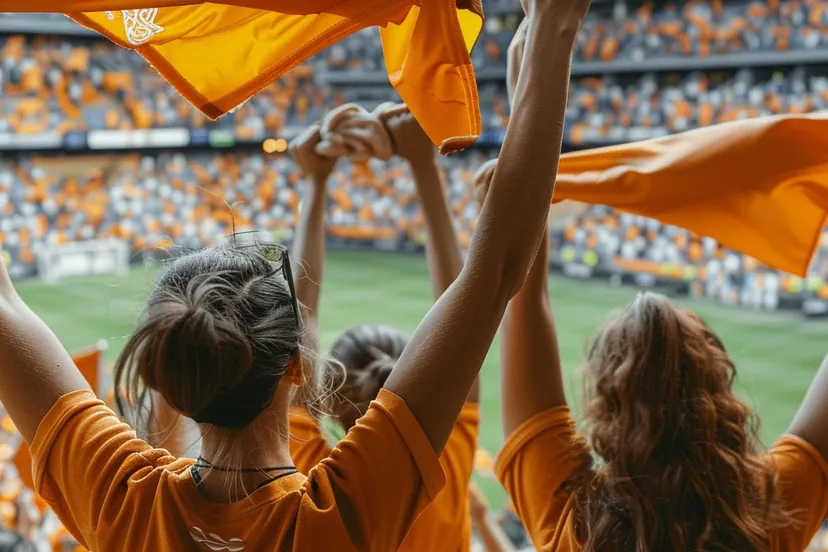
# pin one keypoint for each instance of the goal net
(82, 259)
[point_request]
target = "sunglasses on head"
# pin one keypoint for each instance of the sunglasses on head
(278, 255)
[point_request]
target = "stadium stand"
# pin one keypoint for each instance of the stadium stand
(642, 69)
(166, 203)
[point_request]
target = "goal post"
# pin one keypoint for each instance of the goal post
(83, 259)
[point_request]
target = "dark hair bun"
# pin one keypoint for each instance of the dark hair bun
(210, 352)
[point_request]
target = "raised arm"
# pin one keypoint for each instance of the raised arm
(445, 260)
(442, 360)
(811, 421)
(35, 369)
(529, 357)
(514, 59)
(530, 361)
(309, 244)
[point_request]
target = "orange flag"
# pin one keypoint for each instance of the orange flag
(759, 186)
(217, 55)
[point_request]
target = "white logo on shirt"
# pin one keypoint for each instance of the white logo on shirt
(215, 542)
(139, 25)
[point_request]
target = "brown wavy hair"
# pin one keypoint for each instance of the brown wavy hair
(681, 466)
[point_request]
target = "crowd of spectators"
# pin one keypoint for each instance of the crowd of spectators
(615, 110)
(172, 202)
(636, 31)
(54, 85)
(631, 244)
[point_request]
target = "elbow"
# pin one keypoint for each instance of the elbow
(503, 277)
(513, 278)
(504, 256)
(515, 265)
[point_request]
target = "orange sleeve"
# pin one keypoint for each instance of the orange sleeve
(380, 476)
(307, 444)
(803, 488)
(83, 456)
(533, 463)
(457, 460)
(451, 507)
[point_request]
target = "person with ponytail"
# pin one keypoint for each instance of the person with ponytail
(369, 352)
(222, 341)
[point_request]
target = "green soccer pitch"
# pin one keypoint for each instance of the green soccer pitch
(776, 353)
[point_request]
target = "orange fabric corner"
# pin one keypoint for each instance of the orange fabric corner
(89, 363)
(23, 462)
(759, 186)
(437, 84)
(217, 55)
(308, 446)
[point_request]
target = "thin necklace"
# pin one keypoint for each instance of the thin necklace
(202, 463)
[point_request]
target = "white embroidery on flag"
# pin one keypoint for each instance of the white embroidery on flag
(140, 25)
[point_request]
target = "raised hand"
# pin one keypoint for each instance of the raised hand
(303, 150)
(409, 140)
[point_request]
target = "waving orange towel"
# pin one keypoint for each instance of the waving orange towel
(217, 55)
(759, 186)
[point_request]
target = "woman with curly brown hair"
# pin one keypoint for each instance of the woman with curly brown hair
(670, 458)
(678, 461)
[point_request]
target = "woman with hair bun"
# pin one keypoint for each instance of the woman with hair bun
(369, 352)
(222, 342)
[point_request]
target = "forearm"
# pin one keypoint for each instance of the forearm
(531, 380)
(529, 158)
(309, 249)
(492, 534)
(445, 353)
(812, 418)
(445, 260)
(35, 369)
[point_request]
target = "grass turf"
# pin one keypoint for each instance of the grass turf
(776, 353)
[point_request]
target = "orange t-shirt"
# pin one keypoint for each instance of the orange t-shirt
(542, 454)
(445, 525)
(113, 491)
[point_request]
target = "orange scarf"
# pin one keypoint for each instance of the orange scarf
(217, 55)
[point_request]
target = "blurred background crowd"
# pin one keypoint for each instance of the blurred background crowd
(641, 70)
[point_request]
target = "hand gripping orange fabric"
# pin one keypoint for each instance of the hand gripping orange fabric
(217, 55)
(759, 186)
